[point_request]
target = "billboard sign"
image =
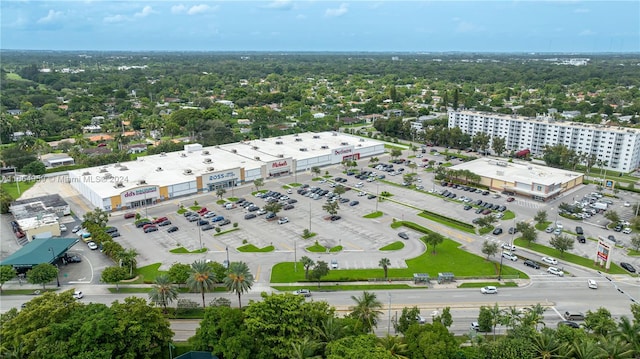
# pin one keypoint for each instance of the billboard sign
(603, 253)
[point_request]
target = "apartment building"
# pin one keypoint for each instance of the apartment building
(618, 147)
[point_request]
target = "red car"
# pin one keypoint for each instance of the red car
(510, 199)
(160, 220)
(203, 210)
(129, 215)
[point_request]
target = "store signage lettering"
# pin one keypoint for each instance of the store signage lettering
(218, 176)
(278, 164)
(140, 192)
(343, 151)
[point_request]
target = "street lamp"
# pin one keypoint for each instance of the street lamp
(500, 270)
(295, 256)
(377, 195)
(53, 255)
(389, 323)
(227, 249)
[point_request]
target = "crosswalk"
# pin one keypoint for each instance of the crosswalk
(527, 203)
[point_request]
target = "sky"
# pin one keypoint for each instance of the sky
(311, 25)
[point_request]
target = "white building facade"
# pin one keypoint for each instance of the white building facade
(618, 147)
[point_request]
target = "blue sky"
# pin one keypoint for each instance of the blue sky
(310, 25)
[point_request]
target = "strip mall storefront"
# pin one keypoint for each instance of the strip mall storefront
(140, 196)
(344, 154)
(223, 179)
(279, 168)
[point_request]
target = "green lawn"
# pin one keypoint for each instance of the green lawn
(449, 222)
(147, 274)
(393, 246)
(449, 258)
(12, 188)
(542, 226)
(567, 257)
(313, 286)
(373, 215)
(252, 248)
(181, 211)
(484, 284)
(317, 248)
(227, 231)
(336, 249)
(182, 250)
(508, 215)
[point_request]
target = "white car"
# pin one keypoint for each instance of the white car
(510, 256)
(420, 319)
(76, 229)
(209, 214)
(63, 228)
(334, 264)
(283, 220)
(592, 284)
(549, 260)
(303, 292)
(78, 294)
(359, 185)
(92, 245)
(555, 271)
(509, 247)
(489, 290)
(626, 230)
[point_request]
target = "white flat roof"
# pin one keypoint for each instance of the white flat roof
(222, 157)
(517, 171)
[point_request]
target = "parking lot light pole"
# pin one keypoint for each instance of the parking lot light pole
(53, 255)
(500, 270)
(227, 249)
(389, 323)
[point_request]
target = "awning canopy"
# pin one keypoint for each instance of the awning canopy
(45, 250)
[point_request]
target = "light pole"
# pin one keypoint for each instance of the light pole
(389, 323)
(377, 195)
(295, 256)
(53, 255)
(500, 270)
(227, 249)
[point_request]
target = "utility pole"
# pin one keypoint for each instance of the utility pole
(389, 323)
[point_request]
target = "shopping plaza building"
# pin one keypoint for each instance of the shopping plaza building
(618, 147)
(197, 169)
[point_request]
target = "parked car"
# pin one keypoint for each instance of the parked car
(129, 215)
(403, 235)
(569, 324)
(579, 230)
(209, 214)
(73, 259)
(549, 260)
(283, 220)
(334, 218)
(150, 229)
(207, 227)
(497, 231)
(217, 219)
(172, 229)
(76, 229)
(573, 316)
(509, 247)
(160, 220)
(334, 264)
(489, 290)
(354, 203)
(250, 216)
(63, 228)
(224, 223)
(532, 264)
(549, 229)
(92, 245)
(626, 230)
(555, 271)
(628, 267)
(510, 199)
(581, 239)
(164, 223)
(115, 234)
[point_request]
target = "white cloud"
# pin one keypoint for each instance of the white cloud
(178, 9)
(198, 9)
(586, 32)
(51, 17)
(581, 11)
(280, 5)
(343, 9)
(147, 10)
(464, 26)
(115, 18)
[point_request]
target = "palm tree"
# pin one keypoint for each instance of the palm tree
(583, 348)
(307, 263)
(385, 263)
(239, 279)
(163, 291)
(220, 192)
(545, 345)
(367, 310)
(629, 332)
(201, 278)
(128, 258)
(615, 348)
(304, 349)
(511, 317)
(395, 346)
(331, 329)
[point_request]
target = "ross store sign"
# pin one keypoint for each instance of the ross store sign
(136, 194)
(220, 176)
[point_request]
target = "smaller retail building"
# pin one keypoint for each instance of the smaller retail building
(523, 178)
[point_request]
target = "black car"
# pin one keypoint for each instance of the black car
(403, 235)
(532, 264)
(115, 234)
(569, 324)
(164, 223)
(579, 230)
(497, 231)
(371, 196)
(335, 218)
(110, 230)
(207, 227)
(581, 239)
(479, 210)
(142, 224)
(288, 207)
(172, 229)
(224, 222)
(73, 259)
(344, 200)
(202, 222)
(628, 267)
(292, 201)
(354, 203)
(250, 216)
(467, 207)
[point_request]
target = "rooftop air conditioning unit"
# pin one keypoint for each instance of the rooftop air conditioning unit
(207, 160)
(86, 173)
(234, 151)
(255, 147)
(303, 149)
(124, 168)
(188, 172)
(204, 153)
(281, 155)
(141, 182)
(183, 155)
(108, 175)
(298, 139)
(344, 144)
(162, 154)
(278, 142)
(334, 134)
(119, 185)
(158, 169)
(362, 140)
(257, 158)
(103, 170)
(325, 147)
(117, 164)
(210, 169)
(316, 136)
